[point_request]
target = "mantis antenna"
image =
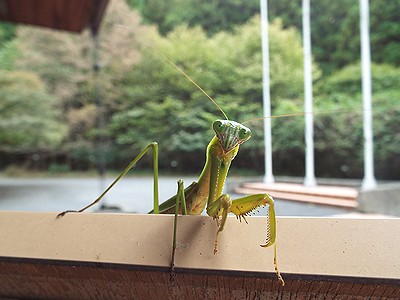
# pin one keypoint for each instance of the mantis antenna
(184, 74)
(194, 82)
(304, 113)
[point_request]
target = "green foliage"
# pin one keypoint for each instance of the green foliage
(146, 99)
(341, 133)
(213, 16)
(348, 80)
(335, 30)
(8, 49)
(335, 24)
(8, 55)
(163, 105)
(7, 33)
(64, 61)
(58, 168)
(28, 123)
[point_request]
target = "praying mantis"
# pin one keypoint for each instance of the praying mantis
(207, 192)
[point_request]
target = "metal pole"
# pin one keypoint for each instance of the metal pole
(309, 179)
(369, 181)
(101, 164)
(268, 177)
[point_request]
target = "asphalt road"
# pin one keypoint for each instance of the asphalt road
(130, 195)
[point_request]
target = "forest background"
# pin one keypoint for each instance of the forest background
(49, 111)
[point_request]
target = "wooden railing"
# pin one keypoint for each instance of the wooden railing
(112, 256)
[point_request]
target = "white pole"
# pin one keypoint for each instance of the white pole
(369, 181)
(268, 177)
(309, 179)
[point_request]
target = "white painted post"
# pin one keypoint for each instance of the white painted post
(309, 179)
(369, 181)
(268, 177)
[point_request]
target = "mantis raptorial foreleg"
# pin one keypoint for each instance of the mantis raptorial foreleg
(241, 208)
(266, 199)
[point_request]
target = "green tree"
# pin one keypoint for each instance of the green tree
(7, 33)
(8, 55)
(162, 105)
(64, 61)
(335, 30)
(213, 16)
(28, 122)
(334, 24)
(340, 135)
(8, 49)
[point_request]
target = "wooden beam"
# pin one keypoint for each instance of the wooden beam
(70, 15)
(78, 280)
(123, 255)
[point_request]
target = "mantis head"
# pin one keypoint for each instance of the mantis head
(230, 134)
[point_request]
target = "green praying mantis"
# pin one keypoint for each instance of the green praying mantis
(207, 192)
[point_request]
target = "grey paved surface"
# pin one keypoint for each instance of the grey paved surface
(130, 194)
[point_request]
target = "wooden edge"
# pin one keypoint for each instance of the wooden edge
(20, 278)
(94, 250)
(13, 261)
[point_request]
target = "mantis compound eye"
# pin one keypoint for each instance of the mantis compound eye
(244, 133)
(218, 126)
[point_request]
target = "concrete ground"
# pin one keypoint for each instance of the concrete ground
(130, 195)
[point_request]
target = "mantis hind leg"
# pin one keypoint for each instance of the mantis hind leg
(154, 147)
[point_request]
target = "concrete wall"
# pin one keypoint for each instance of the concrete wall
(385, 199)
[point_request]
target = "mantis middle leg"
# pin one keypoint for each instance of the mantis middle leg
(180, 199)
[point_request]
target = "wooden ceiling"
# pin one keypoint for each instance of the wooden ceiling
(69, 15)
